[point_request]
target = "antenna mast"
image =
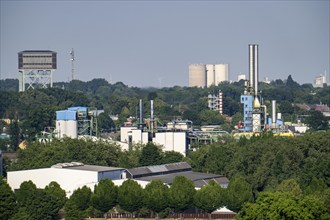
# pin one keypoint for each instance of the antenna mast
(72, 61)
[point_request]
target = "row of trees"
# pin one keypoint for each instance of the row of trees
(287, 201)
(30, 203)
(156, 198)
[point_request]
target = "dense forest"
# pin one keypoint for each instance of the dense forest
(270, 177)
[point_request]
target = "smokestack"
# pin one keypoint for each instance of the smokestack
(141, 112)
(273, 113)
(152, 115)
(254, 70)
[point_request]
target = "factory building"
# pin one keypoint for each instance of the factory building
(74, 175)
(36, 69)
(206, 75)
(167, 172)
(76, 121)
(70, 176)
(255, 116)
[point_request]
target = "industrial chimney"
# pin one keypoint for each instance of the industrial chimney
(253, 68)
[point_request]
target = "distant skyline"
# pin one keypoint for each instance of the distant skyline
(152, 43)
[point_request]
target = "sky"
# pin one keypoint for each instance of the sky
(152, 43)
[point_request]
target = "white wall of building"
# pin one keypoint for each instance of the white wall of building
(68, 179)
(139, 137)
(124, 133)
(171, 141)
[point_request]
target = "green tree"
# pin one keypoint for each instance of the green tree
(317, 121)
(156, 196)
(104, 196)
(54, 190)
(171, 157)
(284, 205)
(72, 212)
(239, 191)
(22, 214)
(181, 195)
(81, 197)
(8, 204)
(291, 186)
(37, 202)
(209, 198)
(130, 196)
(105, 123)
(150, 155)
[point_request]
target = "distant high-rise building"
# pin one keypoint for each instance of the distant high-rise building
(241, 76)
(202, 75)
(320, 80)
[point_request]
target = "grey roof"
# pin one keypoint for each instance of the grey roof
(80, 166)
(165, 168)
(93, 168)
(37, 51)
(199, 179)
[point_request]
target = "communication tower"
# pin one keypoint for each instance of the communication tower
(72, 63)
(36, 69)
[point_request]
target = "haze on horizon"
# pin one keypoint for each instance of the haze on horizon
(146, 43)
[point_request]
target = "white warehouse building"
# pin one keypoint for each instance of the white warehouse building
(70, 176)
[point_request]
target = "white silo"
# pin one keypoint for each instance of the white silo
(61, 128)
(209, 75)
(221, 73)
(71, 129)
(197, 75)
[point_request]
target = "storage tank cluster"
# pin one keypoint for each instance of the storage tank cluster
(206, 75)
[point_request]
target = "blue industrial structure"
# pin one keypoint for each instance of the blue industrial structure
(247, 101)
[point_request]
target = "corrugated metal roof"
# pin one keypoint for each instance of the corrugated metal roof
(153, 170)
(199, 179)
(158, 168)
(178, 166)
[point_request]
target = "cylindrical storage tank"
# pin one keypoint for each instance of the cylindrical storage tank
(197, 75)
(209, 75)
(71, 129)
(221, 73)
(273, 111)
(61, 128)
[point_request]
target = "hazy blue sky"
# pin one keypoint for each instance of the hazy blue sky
(151, 43)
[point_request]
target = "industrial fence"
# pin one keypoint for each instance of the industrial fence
(176, 215)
